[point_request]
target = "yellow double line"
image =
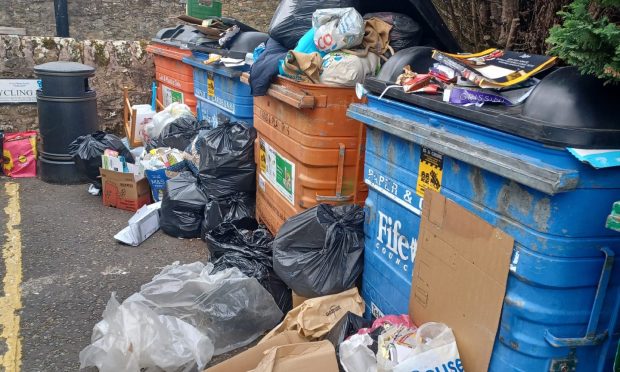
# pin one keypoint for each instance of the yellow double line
(11, 302)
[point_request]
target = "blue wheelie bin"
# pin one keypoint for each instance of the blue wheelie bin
(510, 167)
(219, 91)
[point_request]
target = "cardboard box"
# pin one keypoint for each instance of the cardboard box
(141, 225)
(298, 300)
(304, 357)
(250, 358)
(459, 277)
(123, 191)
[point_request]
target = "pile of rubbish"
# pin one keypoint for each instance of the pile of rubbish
(493, 76)
(330, 43)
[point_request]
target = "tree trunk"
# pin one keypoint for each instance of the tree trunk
(482, 24)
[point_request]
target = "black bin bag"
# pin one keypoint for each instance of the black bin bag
(320, 251)
(346, 327)
(226, 209)
(178, 134)
(227, 159)
(182, 207)
(293, 18)
(405, 31)
(86, 152)
(245, 244)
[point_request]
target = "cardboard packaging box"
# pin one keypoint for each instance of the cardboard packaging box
(250, 358)
(123, 191)
(459, 277)
(141, 225)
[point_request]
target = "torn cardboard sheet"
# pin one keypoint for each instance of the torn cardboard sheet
(460, 277)
(316, 316)
(250, 358)
(303, 357)
(141, 225)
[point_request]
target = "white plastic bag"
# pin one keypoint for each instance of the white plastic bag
(337, 28)
(229, 307)
(167, 115)
(355, 356)
(131, 337)
(435, 349)
(345, 69)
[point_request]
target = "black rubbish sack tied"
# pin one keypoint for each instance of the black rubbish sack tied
(178, 134)
(226, 209)
(246, 245)
(227, 159)
(86, 152)
(346, 327)
(320, 251)
(182, 207)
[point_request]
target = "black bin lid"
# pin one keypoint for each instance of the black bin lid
(566, 109)
(62, 68)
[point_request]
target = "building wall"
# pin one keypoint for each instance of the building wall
(118, 64)
(121, 19)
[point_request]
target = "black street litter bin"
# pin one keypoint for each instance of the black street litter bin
(67, 109)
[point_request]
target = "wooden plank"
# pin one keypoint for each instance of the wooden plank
(12, 31)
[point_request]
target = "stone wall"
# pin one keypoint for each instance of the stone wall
(117, 64)
(121, 19)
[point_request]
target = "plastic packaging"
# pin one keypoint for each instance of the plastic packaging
(227, 159)
(293, 18)
(229, 307)
(227, 209)
(346, 327)
(19, 154)
(320, 251)
(177, 134)
(266, 67)
(354, 354)
(405, 31)
(182, 207)
(167, 115)
(344, 69)
(86, 152)
(246, 245)
(131, 337)
(435, 349)
(337, 29)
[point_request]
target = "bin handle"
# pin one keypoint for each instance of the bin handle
(591, 338)
(338, 198)
(297, 99)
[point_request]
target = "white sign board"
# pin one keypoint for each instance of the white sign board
(18, 90)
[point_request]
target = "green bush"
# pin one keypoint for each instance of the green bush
(590, 43)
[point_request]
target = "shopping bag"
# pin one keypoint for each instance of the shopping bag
(20, 154)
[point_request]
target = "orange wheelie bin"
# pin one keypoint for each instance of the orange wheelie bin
(307, 151)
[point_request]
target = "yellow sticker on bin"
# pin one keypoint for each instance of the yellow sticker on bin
(430, 171)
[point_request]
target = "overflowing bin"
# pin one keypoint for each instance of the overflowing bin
(175, 79)
(220, 92)
(308, 151)
(562, 304)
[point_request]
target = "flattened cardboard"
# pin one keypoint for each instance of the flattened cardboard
(459, 277)
(122, 191)
(250, 358)
(304, 357)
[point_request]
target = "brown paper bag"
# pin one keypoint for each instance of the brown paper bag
(316, 316)
(303, 357)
